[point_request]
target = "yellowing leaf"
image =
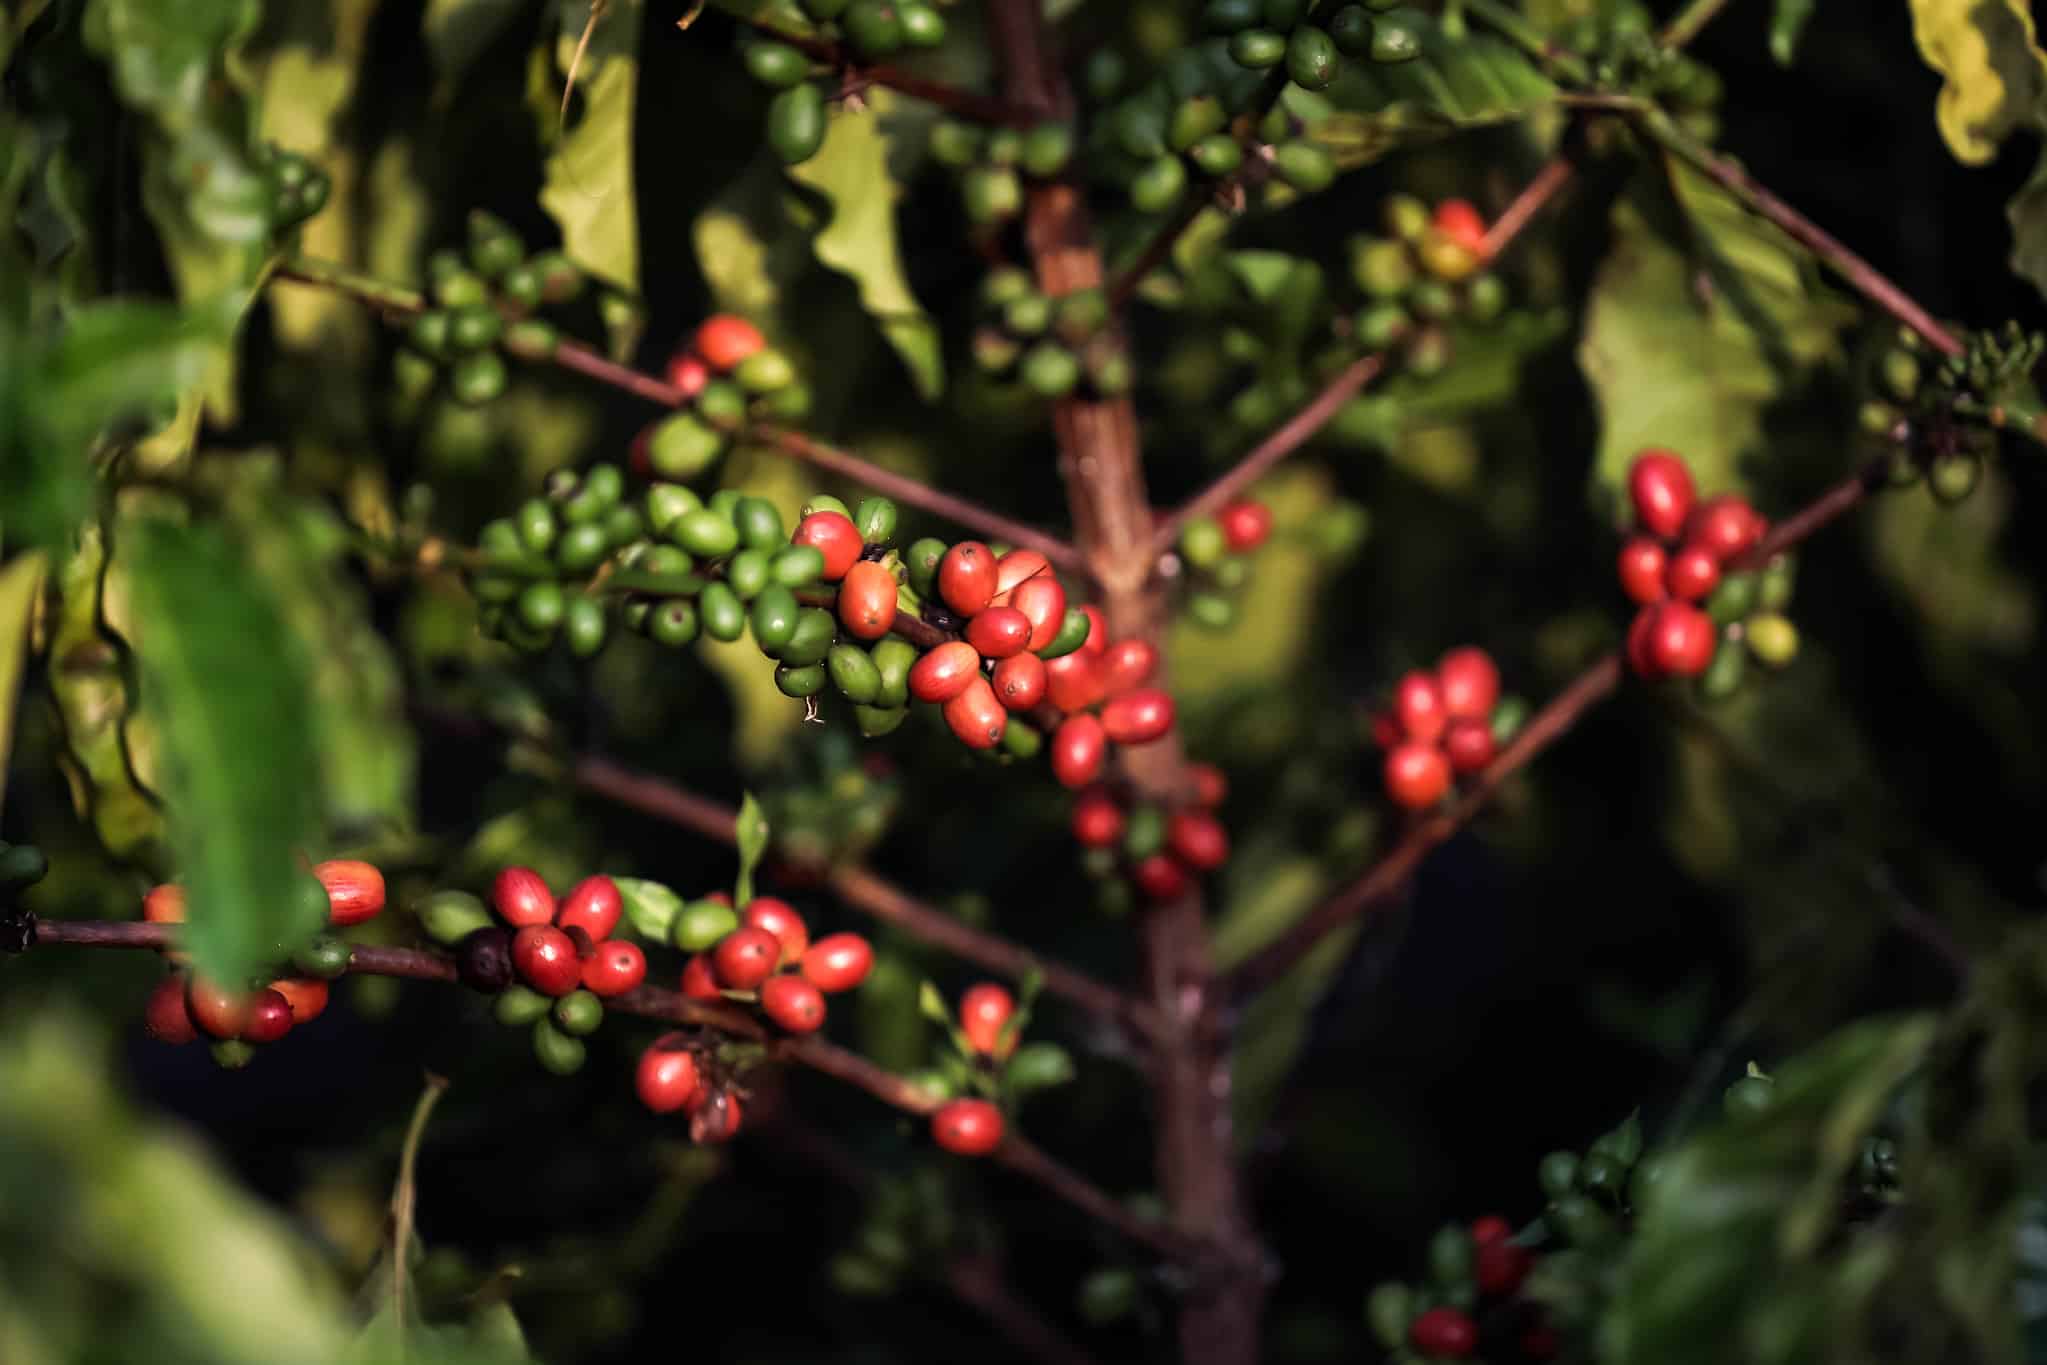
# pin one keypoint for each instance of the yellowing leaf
(1995, 73)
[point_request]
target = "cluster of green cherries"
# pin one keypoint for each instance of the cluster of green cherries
(1053, 346)
(1426, 270)
(869, 29)
(1914, 403)
(481, 301)
(299, 188)
(991, 164)
(1621, 44)
(726, 376)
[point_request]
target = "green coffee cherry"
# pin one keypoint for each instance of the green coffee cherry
(578, 1013)
(1216, 155)
(893, 658)
(1080, 314)
(1397, 35)
(324, 957)
(1230, 16)
(1350, 28)
(921, 561)
(1557, 1173)
(1381, 325)
(1509, 715)
(747, 573)
(582, 547)
(1155, 188)
(1258, 48)
(1406, 217)
(1723, 676)
(1144, 832)
(874, 721)
(1139, 127)
(1212, 610)
(723, 617)
(1452, 1255)
(1311, 57)
(797, 566)
(955, 144)
(1433, 300)
(811, 640)
(1900, 375)
(796, 123)
(776, 65)
(705, 534)
(1194, 119)
(1780, 577)
(1773, 639)
(1580, 1222)
(853, 673)
(518, 1006)
(674, 623)
(991, 194)
(477, 378)
(825, 502)
(556, 1051)
(1004, 285)
(1104, 74)
(1028, 315)
(800, 680)
(682, 447)
(1389, 1309)
(759, 524)
(1202, 543)
(1046, 150)
(1383, 268)
(722, 404)
(584, 626)
(461, 289)
(1734, 599)
(701, 923)
(560, 278)
(765, 371)
(774, 619)
(1485, 297)
(874, 27)
(1050, 370)
(1306, 166)
(1953, 475)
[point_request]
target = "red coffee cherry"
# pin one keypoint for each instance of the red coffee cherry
(1097, 819)
(269, 1018)
(1073, 682)
(967, 1127)
(867, 600)
(835, 537)
(307, 996)
(1043, 603)
(666, 1077)
(966, 577)
(1097, 631)
(1014, 568)
(592, 905)
(1161, 877)
(779, 918)
(1462, 223)
(1681, 639)
(999, 632)
(945, 672)
(165, 1018)
(522, 898)
(715, 1117)
(1693, 573)
(1246, 524)
(724, 340)
(1725, 526)
(1198, 839)
(1501, 1267)
(1019, 682)
(1443, 1332)
(1640, 659)
(1489, 1229)
(1211, 788)
(1126, 664)
(546, 959)
(746, 957)
(1661, 488)
(1138, 717)
(218, 1011)
(984, 1009)
(1468, 682)
(793, 1003)
(616, 967)
(1417, 774)
(1468, 744)
(1078, 748)
(355, 890)
(1642, 565)
(838, 962)
(164, 904)
(975, 717)
(1418, 707)
(688, 373)
(699, 981)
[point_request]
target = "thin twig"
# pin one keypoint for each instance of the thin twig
(1534, 197)
(405, 1199)
(1689, 21)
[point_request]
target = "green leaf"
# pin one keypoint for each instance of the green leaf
(1787, 24)
(1994, 71)
(227, 690)
(852, 172)
(1037, 1066)
(21, 583)
(1694, 327)
(751, 833)
(650, 907)
(2028, 214)
(931, 1004)
(1454, 85)
(589, 189)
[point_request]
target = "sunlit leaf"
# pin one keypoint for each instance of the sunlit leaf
(1995, 72)
(589, 189)
(1787, 24)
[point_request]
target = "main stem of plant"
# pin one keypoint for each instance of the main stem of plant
(1100, 463)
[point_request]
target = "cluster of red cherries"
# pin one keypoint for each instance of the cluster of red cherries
(971, 1126)
(767, 958)
(556, 948)
(1160, 851)
(1675, 559)
(1443, 724)
(186, 1006)
(1474, 1268)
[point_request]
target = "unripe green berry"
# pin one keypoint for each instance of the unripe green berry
(477, 378)
(1307, 166)
(1216, 155)
(1311, 57)
(1046, 150)
(1258, 48)
(1050, 370)
(1773, 639)
(775, 65)
(1155, 188)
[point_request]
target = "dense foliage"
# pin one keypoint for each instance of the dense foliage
(872, 680)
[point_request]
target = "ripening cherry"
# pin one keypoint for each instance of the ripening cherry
(838, 962)
(1417, 774)
(1078, 748)
(522, 898)
(966, 577)
(1073, 682)
(999, 632)
(165, 1018)
(1043, 602)
(1418, 706)
(666, 1077)
(1017, 567)
(1127, 664)
(984, 1009)
(688, 373)
(1489, 1229)
(1468, 744)
(1097, 819)
(746, 957)
(699, 981)
(975, 717)
(1468, 682)
(546, 959)
(715, 1117)
(836, 538)
(1693, 573)
(307, 996)
(1211, 788)
(1725, 526)
(1246, 523)
(1642, 565)
(1097, 631)
(1639, 657)
(867, 600)
(1501, 1267)
(1462, 223)
(1661, 488)
(945, 672)
(779, 918)
(1198, 839)
(724, 340)
(1443, 1332)
(1161, 877)
(967, 1127)
(355, 890)
(793, 1003)
(217, 1011)
(616, 967)
(1681, 639)
(269, 1018)
(1138, 717)
(164, 904)
(1019, 682)
(592, 905)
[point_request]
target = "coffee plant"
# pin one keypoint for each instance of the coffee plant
(967, 651)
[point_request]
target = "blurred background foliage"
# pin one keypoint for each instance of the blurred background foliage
(1672, 892)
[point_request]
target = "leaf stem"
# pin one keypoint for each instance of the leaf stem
(1693, 17)
(405, 1199)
